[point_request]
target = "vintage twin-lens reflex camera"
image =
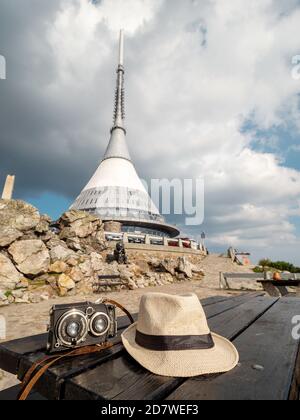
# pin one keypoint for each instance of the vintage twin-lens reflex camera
(79, 325)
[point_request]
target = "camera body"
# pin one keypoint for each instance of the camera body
(79, 325)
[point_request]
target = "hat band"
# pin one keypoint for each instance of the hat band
(174, 342)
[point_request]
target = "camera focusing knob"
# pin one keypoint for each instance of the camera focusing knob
(90, 311)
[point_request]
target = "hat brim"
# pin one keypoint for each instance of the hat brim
(183, 364)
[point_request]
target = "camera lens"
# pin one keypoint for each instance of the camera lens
(100, 324)
(72, 329)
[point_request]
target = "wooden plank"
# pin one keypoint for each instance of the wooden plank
(11, 394)
(11, 352)
(249, 276)
(287, 283)
(31, 349)
(215, 299)
(51, 384)
(214, 310)
(267, 343)
(125, 379)
(271, 289)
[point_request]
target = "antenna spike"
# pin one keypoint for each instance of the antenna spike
(119, 107)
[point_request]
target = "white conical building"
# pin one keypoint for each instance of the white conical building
(115, 192)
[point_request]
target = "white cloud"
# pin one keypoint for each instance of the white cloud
(195, 72)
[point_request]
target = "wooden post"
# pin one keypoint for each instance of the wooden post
(8, 187)
(221, 281)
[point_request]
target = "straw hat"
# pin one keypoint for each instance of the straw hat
(172, 338)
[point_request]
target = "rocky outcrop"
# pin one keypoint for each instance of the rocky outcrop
(9, 275)
(41, 260)
(18, 215)
(30, 256)
(8, 235)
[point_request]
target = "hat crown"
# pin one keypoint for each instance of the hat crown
(171, 315)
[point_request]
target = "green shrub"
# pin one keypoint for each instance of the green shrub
(279, 265)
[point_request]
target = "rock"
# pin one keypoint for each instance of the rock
(143, 266)
(3, 299)
(65, 282)
(8, 235)
(168, 266)
(23, 299)
(86, 268)
(185, 267)
(78, 224)
(74, 215)
(18, 215)
(74, 244)
(18, 294)
(60, 252)
(96, 261)
(50, 279)
(34, 298)
(23, 283)
(72, 261)
(10, 298)
(9, 276)
(76, 274)
(58, 267)
(132, 285)
(30, 256)
(43, 225)
(197, 270)
(125, 274)
(45, 297)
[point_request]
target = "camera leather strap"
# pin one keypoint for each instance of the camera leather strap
(31, 378)
(30, 381)
(118, 305)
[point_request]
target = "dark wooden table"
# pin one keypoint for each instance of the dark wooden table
(260, 327)
(278, 288)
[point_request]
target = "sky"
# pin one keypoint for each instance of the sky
(212, 90)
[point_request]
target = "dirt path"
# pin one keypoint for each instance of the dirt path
(24, 320)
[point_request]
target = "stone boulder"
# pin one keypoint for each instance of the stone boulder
(59, 251)
(58, 267)
(78, 224)
(9, 276)
(185, 267)
(18, 215)
(44, 224)
(30, 256)
(96, 261)
(8, 235)
(65, 284)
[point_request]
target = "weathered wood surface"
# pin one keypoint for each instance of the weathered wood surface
(280, 287)
(259, 326)
(11, 394)
(133, 382)
(268, 343)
